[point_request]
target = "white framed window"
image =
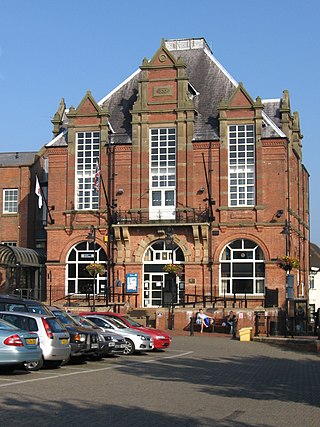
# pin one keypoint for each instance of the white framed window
(242, 268)
(241, 149)
(88, 154)
(78, 280)
(311, 281)
(10, 200)
(162, 173)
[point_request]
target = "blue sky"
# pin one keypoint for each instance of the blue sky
(62, 48)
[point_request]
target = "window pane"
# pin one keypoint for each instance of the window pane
(225, 270)
(260, 269)
(242, 269)
(243, 286)
(156, 198)
(169, 201)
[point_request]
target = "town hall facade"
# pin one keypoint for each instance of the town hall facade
(178, 166)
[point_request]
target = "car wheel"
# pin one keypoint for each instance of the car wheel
(65, 361)
(52, 364)
(34, 366)
(130, 349)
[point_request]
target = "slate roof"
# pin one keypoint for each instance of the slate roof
(205, 76)
(314, 255)
(209, 82)
(17, 159)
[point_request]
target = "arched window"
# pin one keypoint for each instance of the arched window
(242, 268)
(78, 279)
(157, 290)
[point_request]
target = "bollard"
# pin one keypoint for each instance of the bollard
(191, 327)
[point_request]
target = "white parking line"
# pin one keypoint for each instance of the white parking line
(86, 371)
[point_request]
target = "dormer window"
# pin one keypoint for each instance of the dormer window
(87, 156)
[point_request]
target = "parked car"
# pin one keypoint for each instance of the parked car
(17, 347)
(160, 338)
(135, 340)
(84, 341)
(16, 303)
(111, 342)
(54, 338)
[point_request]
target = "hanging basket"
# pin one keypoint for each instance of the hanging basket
(174, 269)
(95, 268)
(288, 263)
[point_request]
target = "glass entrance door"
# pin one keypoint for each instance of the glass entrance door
(152, 290)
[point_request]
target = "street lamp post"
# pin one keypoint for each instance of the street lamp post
(92, 239)
(170, 245)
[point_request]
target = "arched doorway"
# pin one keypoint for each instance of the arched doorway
(78, 280)
(242, 268)
(156, 283)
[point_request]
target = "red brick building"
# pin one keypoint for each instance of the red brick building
(177, 165)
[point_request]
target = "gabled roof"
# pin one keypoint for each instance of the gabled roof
(208, 79)
(59, 140)
(209, 84)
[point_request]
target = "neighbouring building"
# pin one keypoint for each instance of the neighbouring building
(177, 165)
(314, 279)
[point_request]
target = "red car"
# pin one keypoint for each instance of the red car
(161, 339)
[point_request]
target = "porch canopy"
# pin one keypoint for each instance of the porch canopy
(13, 256)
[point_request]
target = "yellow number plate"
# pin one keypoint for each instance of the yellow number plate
(64, 341)
(31, 341)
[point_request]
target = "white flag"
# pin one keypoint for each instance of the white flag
(37, 190)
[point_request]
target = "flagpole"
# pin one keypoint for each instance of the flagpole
(45, 201)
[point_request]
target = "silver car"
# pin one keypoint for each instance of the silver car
(111, 342)
(135, 340)
(54, 339)
(17, 347)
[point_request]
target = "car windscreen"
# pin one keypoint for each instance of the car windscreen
(5, 326)
(117, 323)
(38, 308)
(131, 321)
(55, 325)
(21, 308)
(86, 322)
(65, 319)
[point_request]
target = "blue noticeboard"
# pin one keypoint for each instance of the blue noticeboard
(132, 282)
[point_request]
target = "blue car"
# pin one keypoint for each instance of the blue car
(17, 347)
